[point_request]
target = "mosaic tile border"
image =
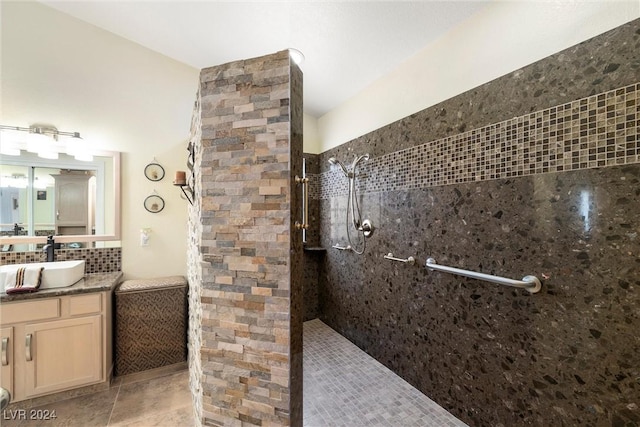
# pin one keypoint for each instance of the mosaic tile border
(97, 260)
(597, 131)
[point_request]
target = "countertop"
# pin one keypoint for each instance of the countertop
(95, 282)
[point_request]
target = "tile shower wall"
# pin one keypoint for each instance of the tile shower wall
(534, 173)
(99, 260)
(313, 253)
(245, 256)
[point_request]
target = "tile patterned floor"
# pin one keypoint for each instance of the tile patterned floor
(161, 401)
(343, 386)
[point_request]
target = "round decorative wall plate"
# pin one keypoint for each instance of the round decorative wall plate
(154, 172)
(154, 203)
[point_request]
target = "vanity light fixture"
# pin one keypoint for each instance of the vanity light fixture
(45, 141)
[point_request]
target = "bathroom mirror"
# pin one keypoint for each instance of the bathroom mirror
(76, 201)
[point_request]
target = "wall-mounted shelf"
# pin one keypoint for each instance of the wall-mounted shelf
(314, 249)
(187, 191)
(187, 186)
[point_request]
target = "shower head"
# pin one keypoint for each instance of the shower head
(358, 160)
(334, 161)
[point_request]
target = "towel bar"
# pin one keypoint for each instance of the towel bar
(411, 260)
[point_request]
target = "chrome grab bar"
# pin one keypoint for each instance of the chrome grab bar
(341, 248)
(305, 203)
(411, 260)
(530, 283)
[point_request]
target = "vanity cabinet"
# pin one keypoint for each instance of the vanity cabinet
(56, 344)
(62, 354)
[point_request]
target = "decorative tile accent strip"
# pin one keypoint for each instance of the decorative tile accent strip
(315, 188)
(597, 131)
(97, 260)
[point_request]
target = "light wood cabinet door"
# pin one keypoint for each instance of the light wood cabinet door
(62, 354)
(6, 373)
(72, 204)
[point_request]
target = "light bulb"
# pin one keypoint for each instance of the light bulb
(77, 147)
(10, 143)
(37, 142)
(48, 154)
(296, 56)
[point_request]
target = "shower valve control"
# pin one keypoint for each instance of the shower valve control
(367, 228)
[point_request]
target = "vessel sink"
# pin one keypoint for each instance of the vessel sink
(58, 274)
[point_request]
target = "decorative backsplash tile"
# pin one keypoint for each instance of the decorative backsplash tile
(597, 131)
(22, 232)
(97, 260)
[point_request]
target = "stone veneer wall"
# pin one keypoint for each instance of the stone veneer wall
(195, 264)
(245, 256)
(537, 172)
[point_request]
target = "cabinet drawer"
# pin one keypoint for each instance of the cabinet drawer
(85, 304)
(30, 311)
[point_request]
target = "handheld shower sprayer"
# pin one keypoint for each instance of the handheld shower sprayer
(334, 161)
(358, 160)
(348, 173)
(365, 227)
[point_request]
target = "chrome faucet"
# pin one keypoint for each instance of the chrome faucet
(49, 249)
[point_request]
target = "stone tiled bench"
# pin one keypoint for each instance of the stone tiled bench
(150, 324)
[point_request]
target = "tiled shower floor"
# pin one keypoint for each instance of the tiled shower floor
(344, 386)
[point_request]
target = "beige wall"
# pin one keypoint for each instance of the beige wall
(499, 39)
(119, 96)
(311, 138)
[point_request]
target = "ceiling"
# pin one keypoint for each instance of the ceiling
(347, 44)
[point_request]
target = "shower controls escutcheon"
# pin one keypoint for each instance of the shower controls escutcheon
(367, 228)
